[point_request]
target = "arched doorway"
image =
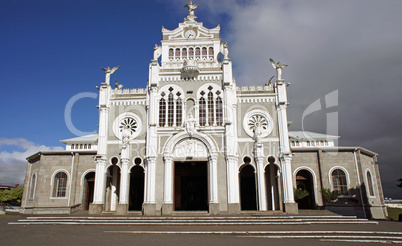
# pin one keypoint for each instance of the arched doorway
(112, 186)
(248, 191)
(191, 186)
(272, 186)
(89, 187)
(304, 181)
(136, 195)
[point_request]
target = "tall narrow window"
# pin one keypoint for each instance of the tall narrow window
(191, 52)
(162, 111)
(370, 183)
(32, 187)
(204, 51)
(211, 51)
(60, 185)
(177, 53)
(202, 113)
(179, 110)
(339, 181)
(197, 52)
(219, 111)
(170, 108)
(170, 53)
(184, 53)
(210, 108)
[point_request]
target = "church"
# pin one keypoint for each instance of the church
(193, 141)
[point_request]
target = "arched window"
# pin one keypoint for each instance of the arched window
(210, 108)
(211, 51)
(370, 183)
(89, 146)
(162, 112)
(85, 146)
(179, 110)
(308, 143)
(219, 111)
(170, 108)
(191, 52)
(72, 146)
(81, 146)
(339, 181)
(204, 51)
(60, 185)
(197, 52)
(177, 54)
(202, 113)
(32, 187)
(184, 53)
(171, 53)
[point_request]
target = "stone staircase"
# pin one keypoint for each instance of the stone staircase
(194, 220)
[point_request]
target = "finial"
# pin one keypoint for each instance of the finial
(191, 7)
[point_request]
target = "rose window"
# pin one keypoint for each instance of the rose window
(129, 124)
(259, 122)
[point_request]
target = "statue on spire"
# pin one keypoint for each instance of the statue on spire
(191, 7)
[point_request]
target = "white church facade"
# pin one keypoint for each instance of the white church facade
(193, 140)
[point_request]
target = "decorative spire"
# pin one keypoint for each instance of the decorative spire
(191, 7)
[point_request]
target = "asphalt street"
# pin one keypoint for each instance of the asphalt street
(122, 235)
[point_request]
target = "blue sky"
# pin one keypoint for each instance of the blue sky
(52, 50)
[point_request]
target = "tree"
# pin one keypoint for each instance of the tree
(330, 196)
(300, 193)
(13, 195)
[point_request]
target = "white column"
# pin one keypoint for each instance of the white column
(287, 180)
(272, 184)
(213, 178)
(262, 194)
(233, 179)
(168, 185)
(99, 181)
(124, 181)
(114, 197)
(150, 180)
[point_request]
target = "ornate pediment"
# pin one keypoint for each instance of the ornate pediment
(190, 148)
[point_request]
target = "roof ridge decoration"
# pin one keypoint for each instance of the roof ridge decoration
(191, 7)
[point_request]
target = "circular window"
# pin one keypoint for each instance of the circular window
(247, 160)
(137, 161)
(127, 124)
(258, 120)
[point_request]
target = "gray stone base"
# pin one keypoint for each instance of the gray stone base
(95, 209)
(291, 208)
(234, 208)
(213, 208)
(121, 208)
(167, 209)
(149, 209)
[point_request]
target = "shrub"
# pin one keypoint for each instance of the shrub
(330, 196)
(300, 193)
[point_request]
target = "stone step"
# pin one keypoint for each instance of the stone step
(244, 220)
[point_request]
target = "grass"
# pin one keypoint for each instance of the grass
(8, 216)
(393, 213)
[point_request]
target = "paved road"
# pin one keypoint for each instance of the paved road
(111, 235)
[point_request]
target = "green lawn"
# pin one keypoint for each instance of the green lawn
(393, 213)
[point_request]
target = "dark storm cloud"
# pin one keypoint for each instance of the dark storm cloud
(353, 47)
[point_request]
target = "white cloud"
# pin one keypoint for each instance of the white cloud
(13, 154)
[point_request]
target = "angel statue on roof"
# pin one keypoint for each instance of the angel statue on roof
(191, 7)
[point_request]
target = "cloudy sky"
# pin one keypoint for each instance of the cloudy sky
(51, 51)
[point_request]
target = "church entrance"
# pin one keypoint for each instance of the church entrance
(304, 181)
(112, 186)
(191, 186)
(89, 186)
(248, 191)
(136, 195)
